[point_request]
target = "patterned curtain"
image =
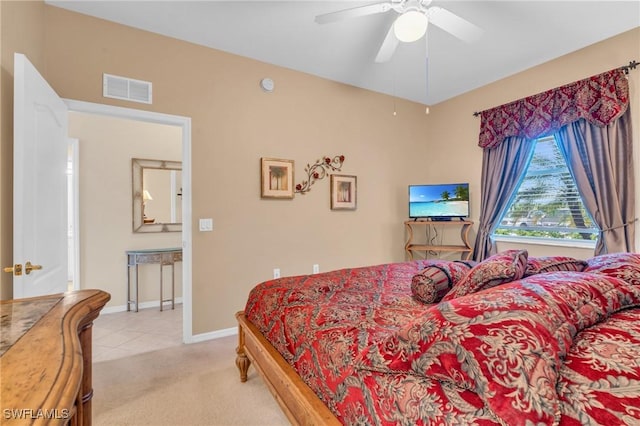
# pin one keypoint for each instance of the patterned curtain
(575, 112)
(600, 100)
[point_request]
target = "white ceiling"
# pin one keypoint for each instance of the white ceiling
(517, 35)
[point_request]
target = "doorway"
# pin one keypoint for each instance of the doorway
(120, 189)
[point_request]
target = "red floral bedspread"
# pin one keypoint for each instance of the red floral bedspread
(561, 347)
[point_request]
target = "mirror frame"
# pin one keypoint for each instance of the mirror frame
(137, 166)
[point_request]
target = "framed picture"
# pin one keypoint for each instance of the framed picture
(344, 192)
(276, 178)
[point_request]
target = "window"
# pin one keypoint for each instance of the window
(547, 205)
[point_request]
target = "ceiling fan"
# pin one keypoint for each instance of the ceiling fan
(410, 25)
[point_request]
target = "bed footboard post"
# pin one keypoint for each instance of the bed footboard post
(242, 361)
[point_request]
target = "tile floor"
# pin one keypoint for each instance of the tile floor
(123, 334)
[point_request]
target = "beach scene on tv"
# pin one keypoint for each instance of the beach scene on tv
(447, 200)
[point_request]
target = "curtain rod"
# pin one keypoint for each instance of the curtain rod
(626, 68)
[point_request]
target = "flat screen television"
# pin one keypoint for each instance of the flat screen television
(439, 201)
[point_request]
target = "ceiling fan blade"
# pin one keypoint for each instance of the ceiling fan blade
(388, 46)
(355, 12)
(452, 23)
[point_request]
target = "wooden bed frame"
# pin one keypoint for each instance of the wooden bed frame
(298, 402)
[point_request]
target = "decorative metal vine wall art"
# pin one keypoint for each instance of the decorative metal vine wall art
(318, 171)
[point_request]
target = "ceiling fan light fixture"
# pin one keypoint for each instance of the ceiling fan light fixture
(410, 26)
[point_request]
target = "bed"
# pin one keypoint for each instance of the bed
(511, 340)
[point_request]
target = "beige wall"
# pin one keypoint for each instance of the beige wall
(235, 123)
(106, 147)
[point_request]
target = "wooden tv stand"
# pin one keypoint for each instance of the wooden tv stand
(464, 249)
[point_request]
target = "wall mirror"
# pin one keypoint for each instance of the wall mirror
(157, 195)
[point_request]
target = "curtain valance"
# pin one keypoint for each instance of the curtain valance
(599, 99)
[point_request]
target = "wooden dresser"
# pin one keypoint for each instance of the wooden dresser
(45, 358)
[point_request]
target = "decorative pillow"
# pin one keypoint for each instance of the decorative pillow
(621, 265)
(538, 265)
(498, 269)
(505, 345)
(433, 282)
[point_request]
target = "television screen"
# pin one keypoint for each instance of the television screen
(443, 201)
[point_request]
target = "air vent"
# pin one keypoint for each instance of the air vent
(127, 89)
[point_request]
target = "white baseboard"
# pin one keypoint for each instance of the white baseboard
(143, 305)
(214, 335)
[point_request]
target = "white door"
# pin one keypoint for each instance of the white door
(39, 184)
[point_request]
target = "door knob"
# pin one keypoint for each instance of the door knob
(15, 269)
(28, 267)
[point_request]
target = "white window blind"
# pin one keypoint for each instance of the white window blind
(547, 203)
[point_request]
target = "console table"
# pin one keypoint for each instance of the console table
(45, 354)
(464, 249)
(161, 256)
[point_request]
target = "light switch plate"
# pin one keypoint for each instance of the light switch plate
(206, 224)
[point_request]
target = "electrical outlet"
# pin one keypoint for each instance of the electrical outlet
(276, 273)
(316, 268)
